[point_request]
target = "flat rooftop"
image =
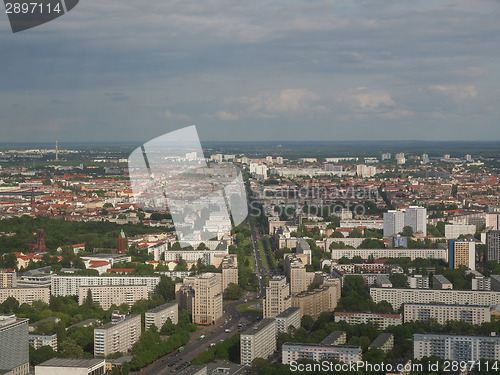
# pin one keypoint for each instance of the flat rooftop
(72, 362)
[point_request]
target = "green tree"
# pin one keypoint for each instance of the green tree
(407, 231)
(306, 322)
(233, 292)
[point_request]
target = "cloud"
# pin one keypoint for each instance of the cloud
(269, 104)
(168, 114)
(458, 93)
(365, 100)
(224, 116)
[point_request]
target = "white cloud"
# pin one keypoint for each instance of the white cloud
(224, 116)
(458, 93)
(366, 100)
(168, 114)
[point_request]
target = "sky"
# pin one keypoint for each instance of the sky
(255, 70)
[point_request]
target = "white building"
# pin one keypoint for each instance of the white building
(159, 315)
(291, 352)
(453, 231)
(69, 285)
(258, 341)
(117, 336)
(444, 312)
(73, 366)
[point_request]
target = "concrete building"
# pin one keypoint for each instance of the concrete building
(418, 282)
(390, 253)
(319, 300)
(14, 348)
(335, 338)
(201, 296)
(302, 247)
(462, 253)
(38, 340)
(394, 222)
(493, 245)
(159, 315)
(414, 217)
(41, 280)
(397, 296)
(69, 285)
(481, 283)
(277, 297)
(8, 279)
(297, 276)
(73, 366)
(229, 268)
(456, 347)
(495, 283)
(107, 296)
(453, 231)
(366, 171)
(384, 341)
(379, 320)
(291, 352)
(441, 282)
(258, 341)
(25, 295)
(117, 336)
(443, 312)
(286, 319)
(493, 221)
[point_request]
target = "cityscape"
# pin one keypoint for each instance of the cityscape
(370, 262)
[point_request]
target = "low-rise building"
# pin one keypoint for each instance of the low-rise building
(37, 340)
(379, 320)
(73, 366)
(335, 338)
(444, 312)
(384, 341)
(107, 296)
(291, 352)
(25, 295)
(441, 282)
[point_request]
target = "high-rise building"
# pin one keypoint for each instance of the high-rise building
(201, 296)
(258, 341)
(461, 253)
(425, 159)
(400, 158)
(303, 248)
(453, 231)
(14, 347)
(8, 279)
(229, 268)
(394, 222)
(493, 221)
(288, 318)
(117, 336)
(317, 301)
(65, 285)
(277, 297)
(493, 245)
(456, 347)
(366, 171)
(414, 217)
(159, 315)
(386, 156)
(122, 243)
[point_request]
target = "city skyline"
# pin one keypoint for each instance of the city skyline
(260, 72)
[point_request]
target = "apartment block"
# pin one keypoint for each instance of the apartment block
(25, 295)
(38, 340)
(397, 296)
(286, 319)
(69, 285)
(291, 352)
(107, 296)
(384, 341)
(418, 282)
(495, 282)
(277, 297)
(390, 253)
(456, 347)
(453, 231)
(37, 280)
(441, 282)
(296, 274)
(481, 283)
(258, 341)
(117, 336)
(14, 351)
(379, 320)
(303, 248)
(444, 312)
(159, 315)
(8, 279)
(229, 268)
(335, 338)
(493, 245)
(461, 253)
(319, 300)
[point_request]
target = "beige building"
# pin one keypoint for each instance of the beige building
(159, 315)
(258, 341)
(117, 336)
(442, 313)
(25, 295)
(201, 296)
(397, 296)
(277, 297)
(319, 300)
(107, 296)
(229, 267)
(296, 275)
(8, 279)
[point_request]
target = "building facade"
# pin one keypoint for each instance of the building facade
(14, 350)
(379, 320)
(159, 315)
(117, 336)
(288, 318)
(69, 285)
(277, 297)
(258, 341)
(107, 296)
(25, 295)
(443, 313)
(292, 352)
